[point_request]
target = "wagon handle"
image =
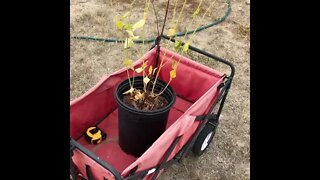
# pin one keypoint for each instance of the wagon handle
(207, 54)
(75, 145)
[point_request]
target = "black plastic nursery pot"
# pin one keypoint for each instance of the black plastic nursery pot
(139, 129)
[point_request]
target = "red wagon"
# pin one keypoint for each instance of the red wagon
(201, 93)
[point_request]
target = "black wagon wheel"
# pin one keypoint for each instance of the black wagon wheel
(204, 139)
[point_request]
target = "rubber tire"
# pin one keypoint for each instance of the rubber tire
(200, 139)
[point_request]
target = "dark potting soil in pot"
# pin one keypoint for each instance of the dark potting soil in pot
(149, 102)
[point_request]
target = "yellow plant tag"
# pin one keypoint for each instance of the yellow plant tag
(139, 96)
(173, 74)
(139, 70)
(174, 65)
(146, 80)
(150, 69)
(129, 91)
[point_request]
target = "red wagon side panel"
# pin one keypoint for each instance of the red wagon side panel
(98, 172)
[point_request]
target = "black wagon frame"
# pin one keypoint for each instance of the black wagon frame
(210, 119)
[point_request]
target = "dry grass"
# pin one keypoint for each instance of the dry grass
(228, 157)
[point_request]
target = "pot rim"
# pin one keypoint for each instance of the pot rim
(172, 94)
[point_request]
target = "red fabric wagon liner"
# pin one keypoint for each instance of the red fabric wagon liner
(196, 87)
